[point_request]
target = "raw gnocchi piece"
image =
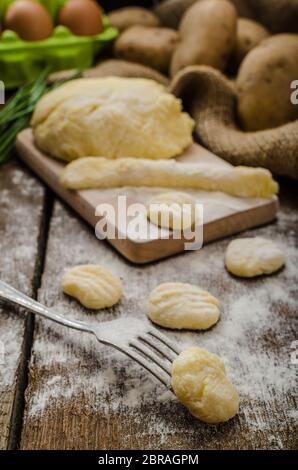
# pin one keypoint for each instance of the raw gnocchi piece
(249, 257)
(183, 306)
(199, 381)
(93, 286)
(174, 210)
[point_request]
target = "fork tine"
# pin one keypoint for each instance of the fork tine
(158, 346)
(151, 355)
(164, 340)
(155, 371)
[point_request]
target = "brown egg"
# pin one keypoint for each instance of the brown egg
(82, 17)
(30, 20)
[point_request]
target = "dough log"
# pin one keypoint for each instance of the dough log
(99, 172)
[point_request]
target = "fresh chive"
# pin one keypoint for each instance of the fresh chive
(16, 114)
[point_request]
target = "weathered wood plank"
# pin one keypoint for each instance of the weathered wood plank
(85, 396)
(21, 218)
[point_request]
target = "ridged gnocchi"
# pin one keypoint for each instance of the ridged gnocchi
(199, 381)
(93, 286)
(249, 257)
(178, 305)
(174, 210)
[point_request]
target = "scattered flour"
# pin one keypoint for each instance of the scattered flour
(253, 317)
(255, 314)
(20, 201)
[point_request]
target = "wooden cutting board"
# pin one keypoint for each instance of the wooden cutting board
(224, 215)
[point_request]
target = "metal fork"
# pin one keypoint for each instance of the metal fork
(147, 346)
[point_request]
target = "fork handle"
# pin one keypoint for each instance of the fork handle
(16, 297)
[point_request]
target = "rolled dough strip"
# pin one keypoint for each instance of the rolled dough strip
(100, 172)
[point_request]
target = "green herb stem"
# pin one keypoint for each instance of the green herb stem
(16, 114)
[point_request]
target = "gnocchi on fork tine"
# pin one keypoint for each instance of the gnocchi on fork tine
(148, 347)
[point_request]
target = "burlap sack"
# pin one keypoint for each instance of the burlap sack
(276, 15)
(211, 100)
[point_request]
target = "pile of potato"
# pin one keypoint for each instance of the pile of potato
(211, 32)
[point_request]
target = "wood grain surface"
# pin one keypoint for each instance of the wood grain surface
(22, 210)
(85, 396)
(81, 395)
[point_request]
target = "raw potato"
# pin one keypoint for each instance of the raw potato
(199, 381)
(183, 306)
(212, 103)
(277, 15)
(153, 47)
(124, 18)
(174, 210)
(264, 83)
(111, 117)
(249, 35)
(208, 35)
(93, 286)
(170, 12)
(250, 257)
(88, 173)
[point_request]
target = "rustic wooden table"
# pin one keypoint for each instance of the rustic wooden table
(60, 390)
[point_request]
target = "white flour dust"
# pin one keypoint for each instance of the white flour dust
(252, 316)
(20, 202)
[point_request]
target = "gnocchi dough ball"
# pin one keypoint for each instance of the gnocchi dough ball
(174, 210)
(93, 286)
(249, 257)
(183, 306)
(111, 117)
(199, 381)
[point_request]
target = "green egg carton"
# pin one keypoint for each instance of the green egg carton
(22, 61)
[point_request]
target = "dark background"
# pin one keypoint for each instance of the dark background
(112, 4)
